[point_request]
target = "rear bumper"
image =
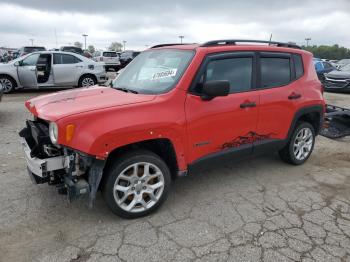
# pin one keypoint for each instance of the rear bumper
(102, 77)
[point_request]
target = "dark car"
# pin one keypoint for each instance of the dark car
(72, 49)
(338, 80)
(323, 67)
(127, 56)
(30, 49)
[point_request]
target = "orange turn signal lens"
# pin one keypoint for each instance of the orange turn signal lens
(69, 132)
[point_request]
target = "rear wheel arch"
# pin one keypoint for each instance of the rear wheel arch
(310, 114)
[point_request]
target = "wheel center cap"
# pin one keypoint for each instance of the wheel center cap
(138, 185)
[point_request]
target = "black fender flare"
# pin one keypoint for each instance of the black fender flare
(319, 109)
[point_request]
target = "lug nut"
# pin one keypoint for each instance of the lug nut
(144, 187)
(133, 188)
(138, 192)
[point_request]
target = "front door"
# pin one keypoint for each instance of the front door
(223, 124)
(26, 70)
(66, 69)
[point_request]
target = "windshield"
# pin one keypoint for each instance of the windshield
(154, 71)
(32, 49)
(343, 61)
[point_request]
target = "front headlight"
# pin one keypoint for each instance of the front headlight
(53, 131)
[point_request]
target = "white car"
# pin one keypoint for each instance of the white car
(110, 58)
(51, 69)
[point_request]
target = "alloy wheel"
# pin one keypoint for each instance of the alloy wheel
(303, 143)
(87, 81)
(138, 187)
(7, 85)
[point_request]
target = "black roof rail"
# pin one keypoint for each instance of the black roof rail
(163, 45)
(235, 41)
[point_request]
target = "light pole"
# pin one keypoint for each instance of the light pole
(307, 41)
(124, 42)
(181, 37)
(32, 41)
(85, 35)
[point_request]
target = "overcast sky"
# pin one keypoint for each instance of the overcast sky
(143, 23)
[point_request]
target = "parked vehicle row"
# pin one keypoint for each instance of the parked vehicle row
(51, 69)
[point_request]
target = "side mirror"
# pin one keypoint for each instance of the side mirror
(215, 88)
(17, 63)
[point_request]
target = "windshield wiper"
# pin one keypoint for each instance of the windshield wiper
(126, 90)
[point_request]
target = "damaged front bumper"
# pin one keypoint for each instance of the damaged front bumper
(71, 171)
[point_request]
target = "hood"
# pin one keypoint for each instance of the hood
(65, 103)
(339, 74)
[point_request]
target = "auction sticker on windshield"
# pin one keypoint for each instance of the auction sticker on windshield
(164, 74)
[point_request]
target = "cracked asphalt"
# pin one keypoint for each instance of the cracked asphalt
(259, 209)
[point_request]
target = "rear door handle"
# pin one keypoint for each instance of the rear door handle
(248, 104)
(294, 96)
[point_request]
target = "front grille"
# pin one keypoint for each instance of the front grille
(36, 133)
(337, 82)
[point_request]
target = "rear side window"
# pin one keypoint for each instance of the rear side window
(65, 59)
(298, 64)
(238, 71)
(275, 71)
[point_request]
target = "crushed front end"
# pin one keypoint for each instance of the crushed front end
(73, 173)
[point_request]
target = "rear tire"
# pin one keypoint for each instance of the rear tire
(136, 184)
(87, 80)
(300, 145)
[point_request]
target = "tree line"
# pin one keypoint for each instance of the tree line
(334, 52)
(114, 46)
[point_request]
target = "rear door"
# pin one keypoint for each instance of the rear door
(279, 94)
(223, 124)
(27, 72)
(66, 69)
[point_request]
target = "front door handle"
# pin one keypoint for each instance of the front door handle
(294, 96)
(248, 104)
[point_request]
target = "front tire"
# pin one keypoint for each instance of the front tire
(136, 184)
(7, 83)
(300, 145)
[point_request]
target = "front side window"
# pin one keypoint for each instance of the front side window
(275, 71)
(30, 60)
(154, 71)
(238, 71)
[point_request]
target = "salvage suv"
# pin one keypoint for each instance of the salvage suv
(174, 107)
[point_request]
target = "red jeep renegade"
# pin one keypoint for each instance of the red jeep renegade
(173, 107)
